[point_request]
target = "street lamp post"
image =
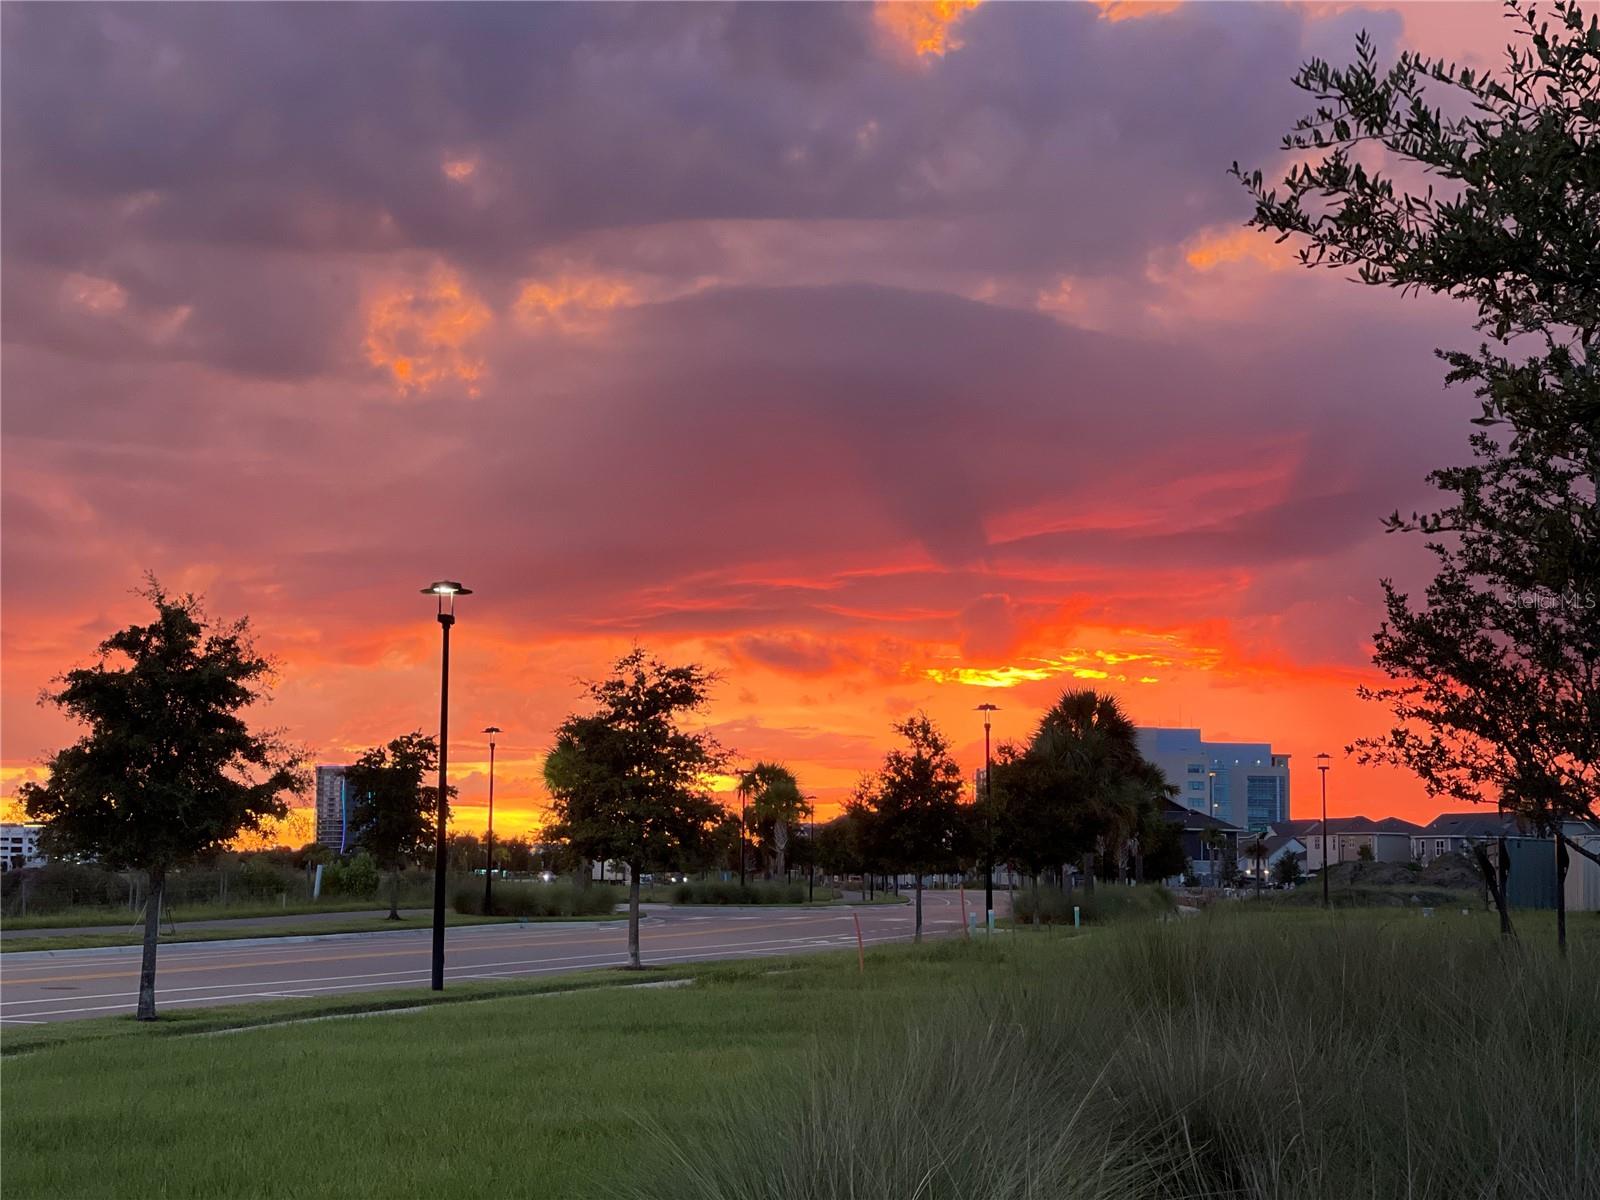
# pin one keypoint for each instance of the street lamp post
(988, 710)
(1211, 811)
(446, 590)
(1322, 769)
(811, 850)
(741, 833)
(488, 859)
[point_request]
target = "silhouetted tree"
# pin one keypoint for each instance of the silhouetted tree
(628, 782)
(915, 804)
(1287, 870)
(394, 808)
(1088, 749)
(774, 811)
(168, 771)
(1496, 676)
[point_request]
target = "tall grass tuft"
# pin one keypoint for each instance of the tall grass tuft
(1245, 1056)
(1108, 902)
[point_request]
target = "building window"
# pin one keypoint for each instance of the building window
(1195, 768)
(1261, 801)
(1197, 785)
(1438, 847)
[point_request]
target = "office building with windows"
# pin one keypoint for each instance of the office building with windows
(19, 845)
(1242, 783)
(333, 807)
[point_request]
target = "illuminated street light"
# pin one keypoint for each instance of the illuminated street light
(446, 590)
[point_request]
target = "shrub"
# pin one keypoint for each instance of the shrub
(62, 885)
(557, 899)
(1108, 902)
(358, 877)
(716, 891)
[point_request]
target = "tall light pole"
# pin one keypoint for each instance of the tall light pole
(988, 710)
(488, 859)
(811, 848)
(741, 832)
(1211, 811)
(446, 590)
(1322, 769)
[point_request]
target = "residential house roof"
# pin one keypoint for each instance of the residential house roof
(1489, 823)
(1195, 821)
(1352, 825)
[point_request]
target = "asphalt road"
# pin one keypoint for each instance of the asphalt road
(63, 985)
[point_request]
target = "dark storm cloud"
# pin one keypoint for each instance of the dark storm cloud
(323, 127)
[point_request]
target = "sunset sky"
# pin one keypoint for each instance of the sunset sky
(882, 357)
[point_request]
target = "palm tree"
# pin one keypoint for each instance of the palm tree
(776, 807)
(1091, 751)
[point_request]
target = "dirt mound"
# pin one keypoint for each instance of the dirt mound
(1451, 871)
(1376, 874)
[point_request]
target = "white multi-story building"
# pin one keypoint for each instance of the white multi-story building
(1242, 783)
(19, 845)
(333, 807)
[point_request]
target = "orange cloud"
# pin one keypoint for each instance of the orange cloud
(1211, 248)
(1133, 10)
(423, 335)
(459, 169)
(923, 27)
(572, 303)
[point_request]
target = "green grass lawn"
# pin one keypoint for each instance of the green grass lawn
(1241, 1054)
(533, 1094)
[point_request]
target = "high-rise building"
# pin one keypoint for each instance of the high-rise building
(333, 807)
(1242, 783)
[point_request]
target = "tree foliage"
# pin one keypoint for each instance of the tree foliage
(776, 808)
(395, 809)
(167, 770)
(1494, 674)
(628, 781)
(912, 806)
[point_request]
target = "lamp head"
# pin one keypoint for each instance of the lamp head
(986, 710)
(492, 730)
(1322, 761)
(446, 590)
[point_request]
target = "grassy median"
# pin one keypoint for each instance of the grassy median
(1241, 1055)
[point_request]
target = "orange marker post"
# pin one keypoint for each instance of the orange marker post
(966, 930)
(861, 946)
